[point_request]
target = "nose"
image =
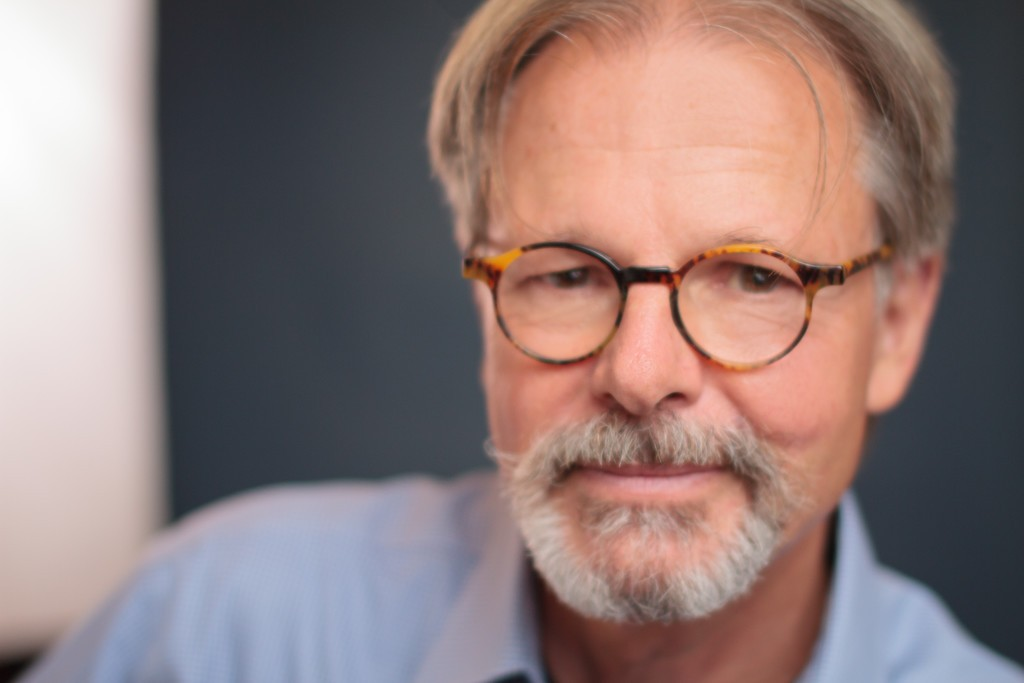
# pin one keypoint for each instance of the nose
(647, 365)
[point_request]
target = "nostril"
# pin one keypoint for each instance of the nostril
(676, 398)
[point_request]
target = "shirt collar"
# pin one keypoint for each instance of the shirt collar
(491, 632)
(847, 648)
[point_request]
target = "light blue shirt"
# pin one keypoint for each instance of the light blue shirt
(415, 580)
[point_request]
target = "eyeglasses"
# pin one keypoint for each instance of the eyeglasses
(741, 306)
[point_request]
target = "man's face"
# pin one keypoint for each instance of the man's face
(653, 154)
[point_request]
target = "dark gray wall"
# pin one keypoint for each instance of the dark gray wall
(317, 326)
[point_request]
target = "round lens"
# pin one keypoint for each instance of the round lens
(558, 304)
(742, 308)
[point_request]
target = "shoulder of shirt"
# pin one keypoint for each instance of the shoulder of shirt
(926, 644)
(397, 515)
(264, 577)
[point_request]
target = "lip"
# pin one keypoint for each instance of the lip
(648, 481)
(652, 470)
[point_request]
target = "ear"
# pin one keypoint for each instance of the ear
(902, 329)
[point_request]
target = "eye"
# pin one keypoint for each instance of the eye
(756, 279)
(568, 279)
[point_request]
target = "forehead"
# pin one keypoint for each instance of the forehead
(710, 137)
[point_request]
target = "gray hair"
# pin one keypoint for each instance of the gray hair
(905, 92)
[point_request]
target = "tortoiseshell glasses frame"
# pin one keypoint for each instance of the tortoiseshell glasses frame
(749, 257)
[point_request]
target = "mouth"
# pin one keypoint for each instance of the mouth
(645, 470)
(647, 482)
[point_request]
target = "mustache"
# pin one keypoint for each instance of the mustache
(614, 439)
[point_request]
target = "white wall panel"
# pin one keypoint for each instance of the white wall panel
(80, 405)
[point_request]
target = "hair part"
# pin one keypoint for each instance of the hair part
(904, 95)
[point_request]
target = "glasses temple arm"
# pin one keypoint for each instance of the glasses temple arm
(883, 253)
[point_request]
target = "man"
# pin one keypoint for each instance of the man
(655, 197)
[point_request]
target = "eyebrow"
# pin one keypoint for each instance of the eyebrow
(750, 234)
(573, 234)
(746, 235)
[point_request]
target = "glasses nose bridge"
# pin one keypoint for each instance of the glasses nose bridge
(654, 275)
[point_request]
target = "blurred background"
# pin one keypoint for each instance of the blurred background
(290, 308)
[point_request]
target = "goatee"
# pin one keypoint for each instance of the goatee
(578, 549)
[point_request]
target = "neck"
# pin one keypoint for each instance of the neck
(766, 636)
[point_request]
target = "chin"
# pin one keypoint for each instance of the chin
(646, 563)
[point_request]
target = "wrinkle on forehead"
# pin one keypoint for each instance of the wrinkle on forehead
(613, 94)
(728, 126)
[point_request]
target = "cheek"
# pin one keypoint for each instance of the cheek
(526, 398)
(812, 406)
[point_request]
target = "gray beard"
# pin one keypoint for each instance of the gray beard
(646, 589)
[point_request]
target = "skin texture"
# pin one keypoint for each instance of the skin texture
(653, 153)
